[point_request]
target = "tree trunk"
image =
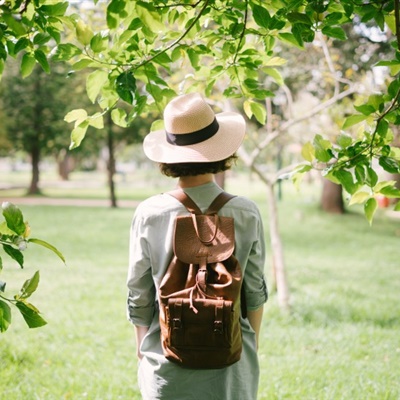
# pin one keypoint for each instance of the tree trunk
(396, 178)
(35, 159)
(332, 198)
(64, 164)
(111, 163)
(278, 264)
(34, 143)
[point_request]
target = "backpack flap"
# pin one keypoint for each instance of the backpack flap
(213, 240)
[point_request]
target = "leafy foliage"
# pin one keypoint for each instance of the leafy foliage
(224, 46)
(14, 237)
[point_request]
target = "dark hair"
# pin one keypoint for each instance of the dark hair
(193, 169)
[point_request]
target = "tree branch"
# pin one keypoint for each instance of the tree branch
(286, 125)
(173, 44)
(242, 33)
(397, 19)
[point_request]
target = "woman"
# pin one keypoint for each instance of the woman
(195, 145)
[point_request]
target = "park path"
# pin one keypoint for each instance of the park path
(53, 201)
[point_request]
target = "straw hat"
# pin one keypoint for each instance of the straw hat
(193, 133)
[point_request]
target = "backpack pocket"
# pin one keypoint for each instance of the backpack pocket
(201, 323)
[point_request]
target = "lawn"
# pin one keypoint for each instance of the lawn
(340, 341)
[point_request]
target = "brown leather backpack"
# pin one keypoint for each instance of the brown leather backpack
(200, 293)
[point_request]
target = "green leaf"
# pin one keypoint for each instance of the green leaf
(99, 42)
(300, 18)
(344, 140)
(29, 286)
(78, 134)
(14, 218)
(365, 109)
(126, 86)
(79, 115)
(5, 230)
(83, 33)
(334, 32)
(5, 316)
(21, 44)
(57, 9)
(370, 207)
(382, 128)
(322, 146)
(259, 112)
(359, 197)
(30, 314)
(391, 192)
(397, 206)
(383, 184)
(298, 30)
(275, 62)
(359, 171)
(112, 19)
(42, 60)
(346, 180)
(389, 164)
(298, 174)
(41, 38)
(149, 17)
(275, 74)
(12, 24)
(82, 63)
(118, 115)
(48, 246)
(371, 177)
(14, 254)
(193, 57)
(27, 64)
(353, 120)
(116, 6)
(251, 83)
(94, 83)
(393, 88)
(289, 38)
(385, 63)
(261, 16)
(308, 152)
(96, 120)
(65, 51)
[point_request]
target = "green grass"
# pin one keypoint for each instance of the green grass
(340, 341)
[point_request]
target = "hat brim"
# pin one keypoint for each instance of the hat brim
(223, 144)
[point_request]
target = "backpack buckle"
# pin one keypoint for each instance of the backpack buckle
(176, 323)
(218, 327)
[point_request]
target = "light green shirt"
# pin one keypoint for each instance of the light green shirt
(150, 254)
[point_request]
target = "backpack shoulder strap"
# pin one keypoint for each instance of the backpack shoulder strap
(219, 202)
(190, 205)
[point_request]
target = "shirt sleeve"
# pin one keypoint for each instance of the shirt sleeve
(141, 289)
(254, 281)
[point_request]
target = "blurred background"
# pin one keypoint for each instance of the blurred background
(331, 326)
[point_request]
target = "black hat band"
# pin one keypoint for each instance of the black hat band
(185, 139)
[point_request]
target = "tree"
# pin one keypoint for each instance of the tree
(34, 109)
